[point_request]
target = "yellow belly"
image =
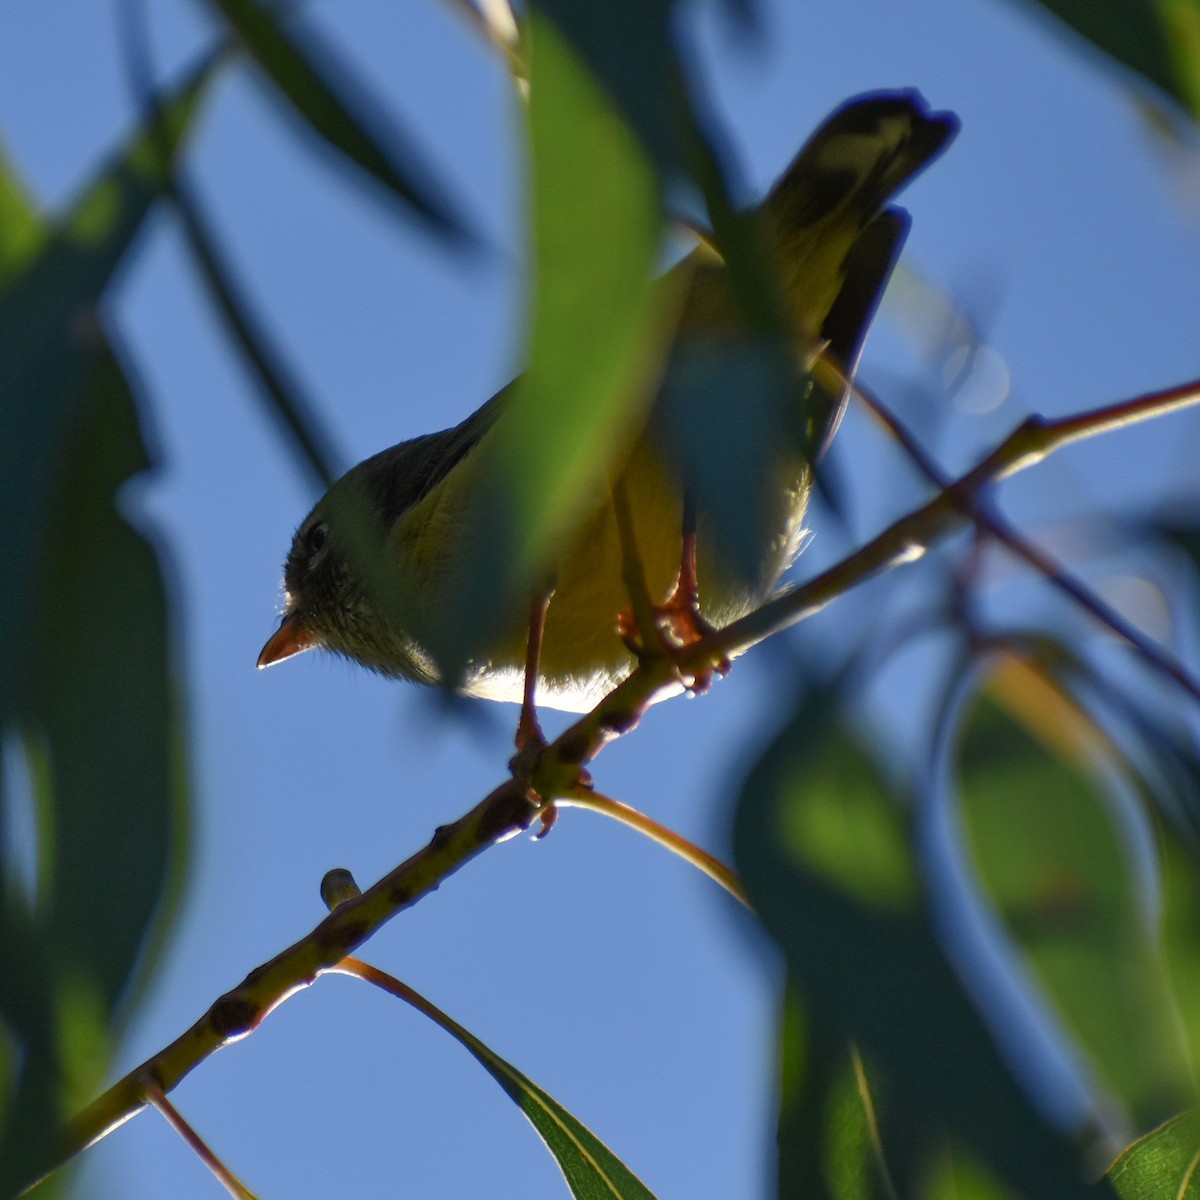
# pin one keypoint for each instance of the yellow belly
(583, 656)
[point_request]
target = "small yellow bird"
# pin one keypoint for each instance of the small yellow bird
(835, 240)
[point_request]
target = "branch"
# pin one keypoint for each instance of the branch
(1034, 440)
(501, 815)
(1064, 432)
(516, 804)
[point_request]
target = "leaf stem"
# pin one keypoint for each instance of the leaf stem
(177, 1121)
(675, 842)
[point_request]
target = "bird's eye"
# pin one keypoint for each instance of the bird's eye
(314, 539)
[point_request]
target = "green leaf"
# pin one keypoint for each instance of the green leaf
(1163, 1165)
(1057, 855)
(98, 714)
(48, 332)
(591, 1169)
(957, 1177)
(309, 78)
(1158, 39)
(826, 1141)
(85, 685)
(825, 859)
(1180, 920)
(733, 415)
(22, 232)
(844, 1135)
(596, 339)
(628, 46)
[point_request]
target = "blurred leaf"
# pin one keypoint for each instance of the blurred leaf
(47, 330)
(1154, 746)
(1159, 39)
(21, 230)
(629, 46)
(98, 711)
(734, 417)
(844, 1135)
(595, 345)
(1163, 1165)
(591, 1169)
(1180, 934)
(730, 403)
(1168, 773)
(826, 1149)
(308, 76)
(84, 676)
(1064, 862)
(859, 940)
(957, 1177)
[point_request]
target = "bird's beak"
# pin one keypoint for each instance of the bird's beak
(292, 637)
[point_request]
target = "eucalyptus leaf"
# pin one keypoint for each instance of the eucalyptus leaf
(1157, 39)
(591, 1169)
(595, 341)
(1163, 1164)
(309, 78)
(1063, 860)
(629, 48)
(22, 231)
(825, 1132)
(824, 854)
(86, 690)
(47, 329)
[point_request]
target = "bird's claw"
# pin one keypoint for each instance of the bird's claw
(678, 626)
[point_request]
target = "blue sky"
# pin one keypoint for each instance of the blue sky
(621, 981)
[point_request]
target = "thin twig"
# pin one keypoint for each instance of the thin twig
(355, 968)
(908, 538)
(992, 522)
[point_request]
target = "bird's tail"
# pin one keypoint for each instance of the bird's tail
(858, 159)
(837, 238)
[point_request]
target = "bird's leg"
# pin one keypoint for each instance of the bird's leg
(680, 613)
(530, 740)
(662, 630)
(638, 624)
(529, 728)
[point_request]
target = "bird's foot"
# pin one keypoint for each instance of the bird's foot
(539, 777)
(678, 626)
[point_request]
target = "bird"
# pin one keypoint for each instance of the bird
(835, 238)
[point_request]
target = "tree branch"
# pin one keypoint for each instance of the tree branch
(1063, 433)
(503, 813)
(1034, 440)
